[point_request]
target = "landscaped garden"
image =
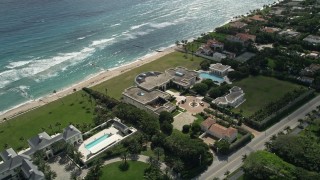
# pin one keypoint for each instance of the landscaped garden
(76, 108)
(175, 59)
(261, 90)
(53, 117)
(135, 171)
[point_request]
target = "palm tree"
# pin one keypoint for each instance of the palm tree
(5, 146)
(244, 157)
(124, 157)
(178, 166)
(227, 173)
(6, 120)
(267, 144)
(158, 151)
(177, 43)
(288, 129)
(106, 90)
(273, 137)
(300, 121)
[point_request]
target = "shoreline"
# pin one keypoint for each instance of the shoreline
(97, 78)
(90, 81)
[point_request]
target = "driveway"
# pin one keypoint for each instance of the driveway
(64, 167)
(183, 119)
(194, 109)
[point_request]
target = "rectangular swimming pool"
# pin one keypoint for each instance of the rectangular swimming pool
(213, 77)
(96, 141)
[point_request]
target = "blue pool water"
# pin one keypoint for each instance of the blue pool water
(97, 141)
(213, 77)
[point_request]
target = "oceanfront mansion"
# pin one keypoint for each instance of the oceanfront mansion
(149, 95)
(19, 165)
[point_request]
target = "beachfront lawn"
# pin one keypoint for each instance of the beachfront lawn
(74, 109)
(117, 84)
(135, 171)
(261, 90)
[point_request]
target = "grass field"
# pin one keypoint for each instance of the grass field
(135, 171)
(116, 85)
(73, 108)
(261, 90)
(76, 109)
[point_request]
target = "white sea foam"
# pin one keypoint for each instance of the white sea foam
(114, 25)
(101, 42)
(13, 65)
(81, 38)
(138, 26)
(161, 25)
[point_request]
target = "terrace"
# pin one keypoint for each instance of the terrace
(152, 80)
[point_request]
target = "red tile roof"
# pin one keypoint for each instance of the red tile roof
(223, 131)
(246, 37)
(208, 122)
(257, 18)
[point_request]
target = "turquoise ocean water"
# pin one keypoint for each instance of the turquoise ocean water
(48, 45)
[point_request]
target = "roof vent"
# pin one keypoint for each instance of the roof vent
(179, 73)
(40, 137)
(9, 155)
(31, 171)
(140, 94)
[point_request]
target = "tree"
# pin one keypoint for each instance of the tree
(95, 171)
(227, 173)
(165, 116)
(244, 157)
(178, 166)
(186, 128)
(124, 157)
(166, 128)
(209, 83)
(205, 64)
(222, 146)
(158, 151)
(200, 88)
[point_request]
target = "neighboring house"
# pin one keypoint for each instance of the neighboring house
(242, 38)
(257, 18)
(311, 70)
(215, 45)
(229, 54)
(72, 135)
(277, 11)
(219, 69)
(18, 166)
(270, 29)
(233, 99)
(205, 50)
(245, 57)
(218, 56)
(306, 79)
(289, 33)
(312, 39)
(238, 24)
(214, 129)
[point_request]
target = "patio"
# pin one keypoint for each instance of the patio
(197, 108)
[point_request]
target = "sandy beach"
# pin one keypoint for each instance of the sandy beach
(92, 81)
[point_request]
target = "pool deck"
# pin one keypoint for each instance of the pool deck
(113, 138)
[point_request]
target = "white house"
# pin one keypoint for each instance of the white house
(219, 69)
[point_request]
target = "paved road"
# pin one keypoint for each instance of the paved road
(234, 161)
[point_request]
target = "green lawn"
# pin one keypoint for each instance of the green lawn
(261, 90)
(77, 109)
(117, 84)
(73, 108)
(135, 171)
